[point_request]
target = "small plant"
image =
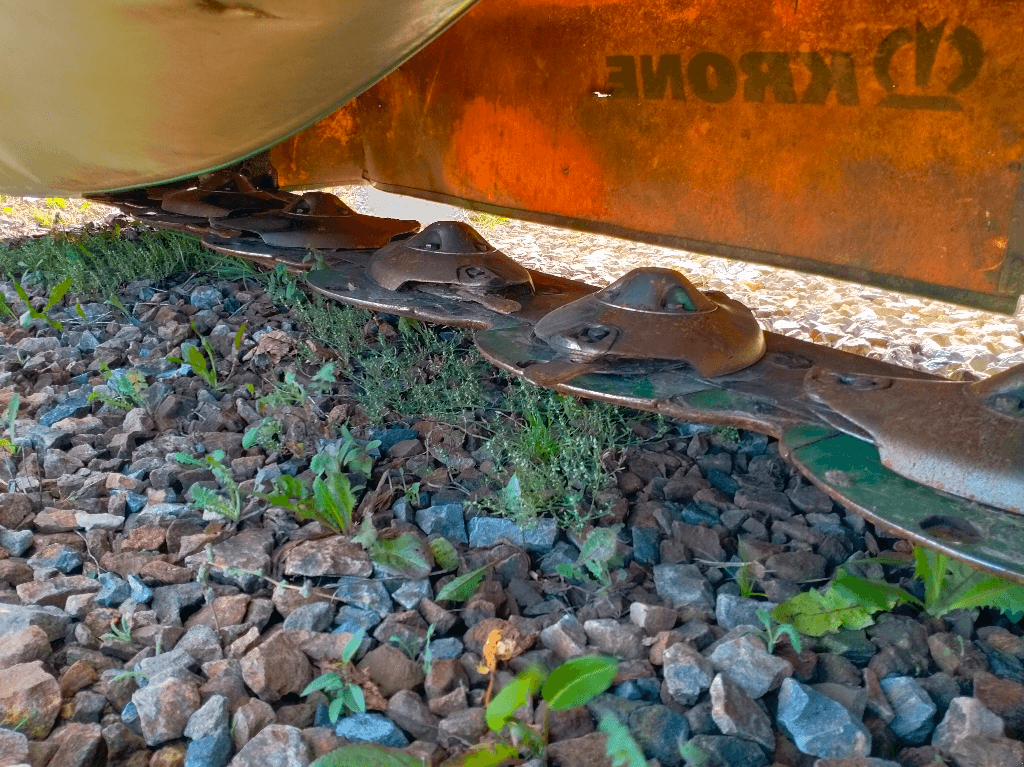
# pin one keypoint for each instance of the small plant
(267, 434)
(288, 392)
(127, 390)
(344, 694)
(349, 455)
(572, 684)
(228, 505)
(10, 417)
(417, 649)
(773, 633)
(122, 633)
(851, 601)
(331, 499)
(58, 292)
(200, 359)
(745, 581)
(598, 554)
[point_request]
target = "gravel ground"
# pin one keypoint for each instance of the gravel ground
(97, 533)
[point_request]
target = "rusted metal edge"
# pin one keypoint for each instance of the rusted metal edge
(850, 471)
(1003, 304)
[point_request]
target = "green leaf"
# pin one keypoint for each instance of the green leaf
(622, 749)
(337, 706)
(367, 755)
(986, 591)
(405, 554)
(871, 593)
(461, 588)
(444, 554)
(197, 360)
(579, 680)
(930, 567)
(58, 292)
(491, 755)
(354, 699)
(352, 646)
(329, 681)
(367, 533)
(513, 695)
(815, 614)
(238, 337)
(21, 292)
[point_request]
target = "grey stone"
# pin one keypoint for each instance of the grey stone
(248, 551)
(98, 521)
(485, 532)
(350, 619)
(746, 659)
(140, 592)
(645, 545)
(113, 590)
(722, 751)
(164, 709)
(965, 717)
(566, 638)
(371, 728)
(409, 594)
(687, 673)
(88, 706)
(13, 747)
(447, 520)
(75, 406)
(15, 618)
(200, 643)
(732, 611)
(818, 725)
(408, 711)
(169, 601)
(174, 660)
(205, 297)
(316, 616)
(209, 718)
(44, 438)
(276, 745)
(737, 714)
(16, 542)
(622, 640)
(56, 557)
(447, 648)
(684, 586)
(370, 595)
(660, 732)
(652, 618)
(210, 750)
(915, 711)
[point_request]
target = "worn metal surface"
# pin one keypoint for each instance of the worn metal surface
(447, 253)
(295, 260)
(350, 285)
(938, 433)
(850, 471)
(870, 140)
(316, 220)
(109, 94)
(656, 314)
(222, 194)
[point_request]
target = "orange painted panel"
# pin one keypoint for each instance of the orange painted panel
(880, 141)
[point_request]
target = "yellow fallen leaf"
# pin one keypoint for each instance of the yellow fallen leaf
(491, 653)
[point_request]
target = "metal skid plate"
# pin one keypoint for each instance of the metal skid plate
(296, 260)
(351, 285)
